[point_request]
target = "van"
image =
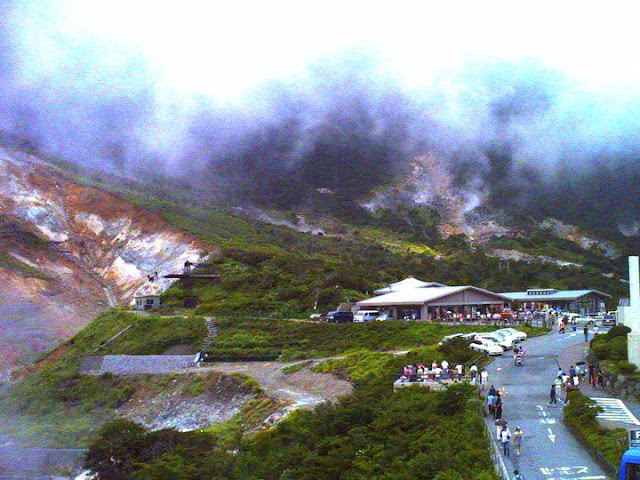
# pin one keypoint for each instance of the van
(339, 317)
(365, 315)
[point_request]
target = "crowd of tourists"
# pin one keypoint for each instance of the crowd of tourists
(503, 433)
(418, 372)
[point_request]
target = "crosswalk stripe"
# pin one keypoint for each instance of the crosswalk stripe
(615, 410)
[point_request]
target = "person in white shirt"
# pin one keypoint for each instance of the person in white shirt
(445, 368)
(460, 371)
(505, 436)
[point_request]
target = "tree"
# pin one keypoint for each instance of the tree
(118, 446)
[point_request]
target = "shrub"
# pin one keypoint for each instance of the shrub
(626, 367)
(618, 348)
(601, 349)
(618, 331)
(580, 415)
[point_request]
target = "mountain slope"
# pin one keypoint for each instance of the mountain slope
(68, 251)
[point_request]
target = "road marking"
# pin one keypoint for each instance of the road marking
(615, 410)
(551, 436)
(544, 420)
(560, 473)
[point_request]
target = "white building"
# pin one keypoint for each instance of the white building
(413, 298)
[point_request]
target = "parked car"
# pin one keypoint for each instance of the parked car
(339, 317)
(485, 345)
(498, 337)
(465, 336)
(384, 317)
(610, 320)
(586, 321)
(517, 335)
(365, 315)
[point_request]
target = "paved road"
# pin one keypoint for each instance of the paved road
(549, 451)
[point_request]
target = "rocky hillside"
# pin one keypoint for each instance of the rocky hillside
(69, 250)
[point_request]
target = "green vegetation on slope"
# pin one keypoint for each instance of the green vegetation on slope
(58, 405)
(374, 434)
(245, 338)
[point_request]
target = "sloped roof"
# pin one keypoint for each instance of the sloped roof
(150, 290)
(407, 283)
(557, 295)
(422, 295)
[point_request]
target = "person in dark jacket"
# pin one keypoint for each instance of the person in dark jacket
(553, 399)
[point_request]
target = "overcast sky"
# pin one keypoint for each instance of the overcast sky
(221, 48)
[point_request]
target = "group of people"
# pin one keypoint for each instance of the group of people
(419, 372)
(503, 433)
(565, 382)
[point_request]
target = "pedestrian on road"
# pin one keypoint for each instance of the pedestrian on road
(517, 475)
(505, 436)
(517, 440)
(585, 330)
(592, 374)
(500, 424)
(562, 327)
(484, 378)
(553, 400)
(497, 412)
(490, 398)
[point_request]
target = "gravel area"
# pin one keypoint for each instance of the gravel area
(300, 389)
(138, 364)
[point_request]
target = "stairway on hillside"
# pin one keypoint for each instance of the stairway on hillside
(212, 332)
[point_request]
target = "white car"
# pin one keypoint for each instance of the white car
(466, 336)
(517, 335)
(499, 338)
(365, 315)
(488, 346)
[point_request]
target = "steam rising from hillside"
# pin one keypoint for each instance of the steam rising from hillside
(522, 131)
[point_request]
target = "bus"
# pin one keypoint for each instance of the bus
(630, 465)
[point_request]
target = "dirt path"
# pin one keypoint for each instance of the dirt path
(301, 389)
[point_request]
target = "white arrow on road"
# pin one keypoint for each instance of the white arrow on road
(551, 436)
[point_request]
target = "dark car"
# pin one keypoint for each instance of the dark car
(339, 317)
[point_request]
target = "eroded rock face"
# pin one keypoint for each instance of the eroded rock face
(65, 242)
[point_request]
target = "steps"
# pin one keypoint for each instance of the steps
(212, 332)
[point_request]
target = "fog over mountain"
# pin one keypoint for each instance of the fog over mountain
(535, 136)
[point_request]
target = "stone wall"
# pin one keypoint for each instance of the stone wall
(621, 386)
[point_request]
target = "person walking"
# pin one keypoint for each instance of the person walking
(553, 400)
(517, 475)
(505, 436)
(585, 330)
(497, 411)
(592, 374)
(484, 378)
(517, 440)
(490, 399)
(500, 424)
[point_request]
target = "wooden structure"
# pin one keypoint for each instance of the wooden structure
(187, 278)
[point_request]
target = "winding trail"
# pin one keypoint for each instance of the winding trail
(302, 389)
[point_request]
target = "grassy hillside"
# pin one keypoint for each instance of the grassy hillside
(56, 404)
